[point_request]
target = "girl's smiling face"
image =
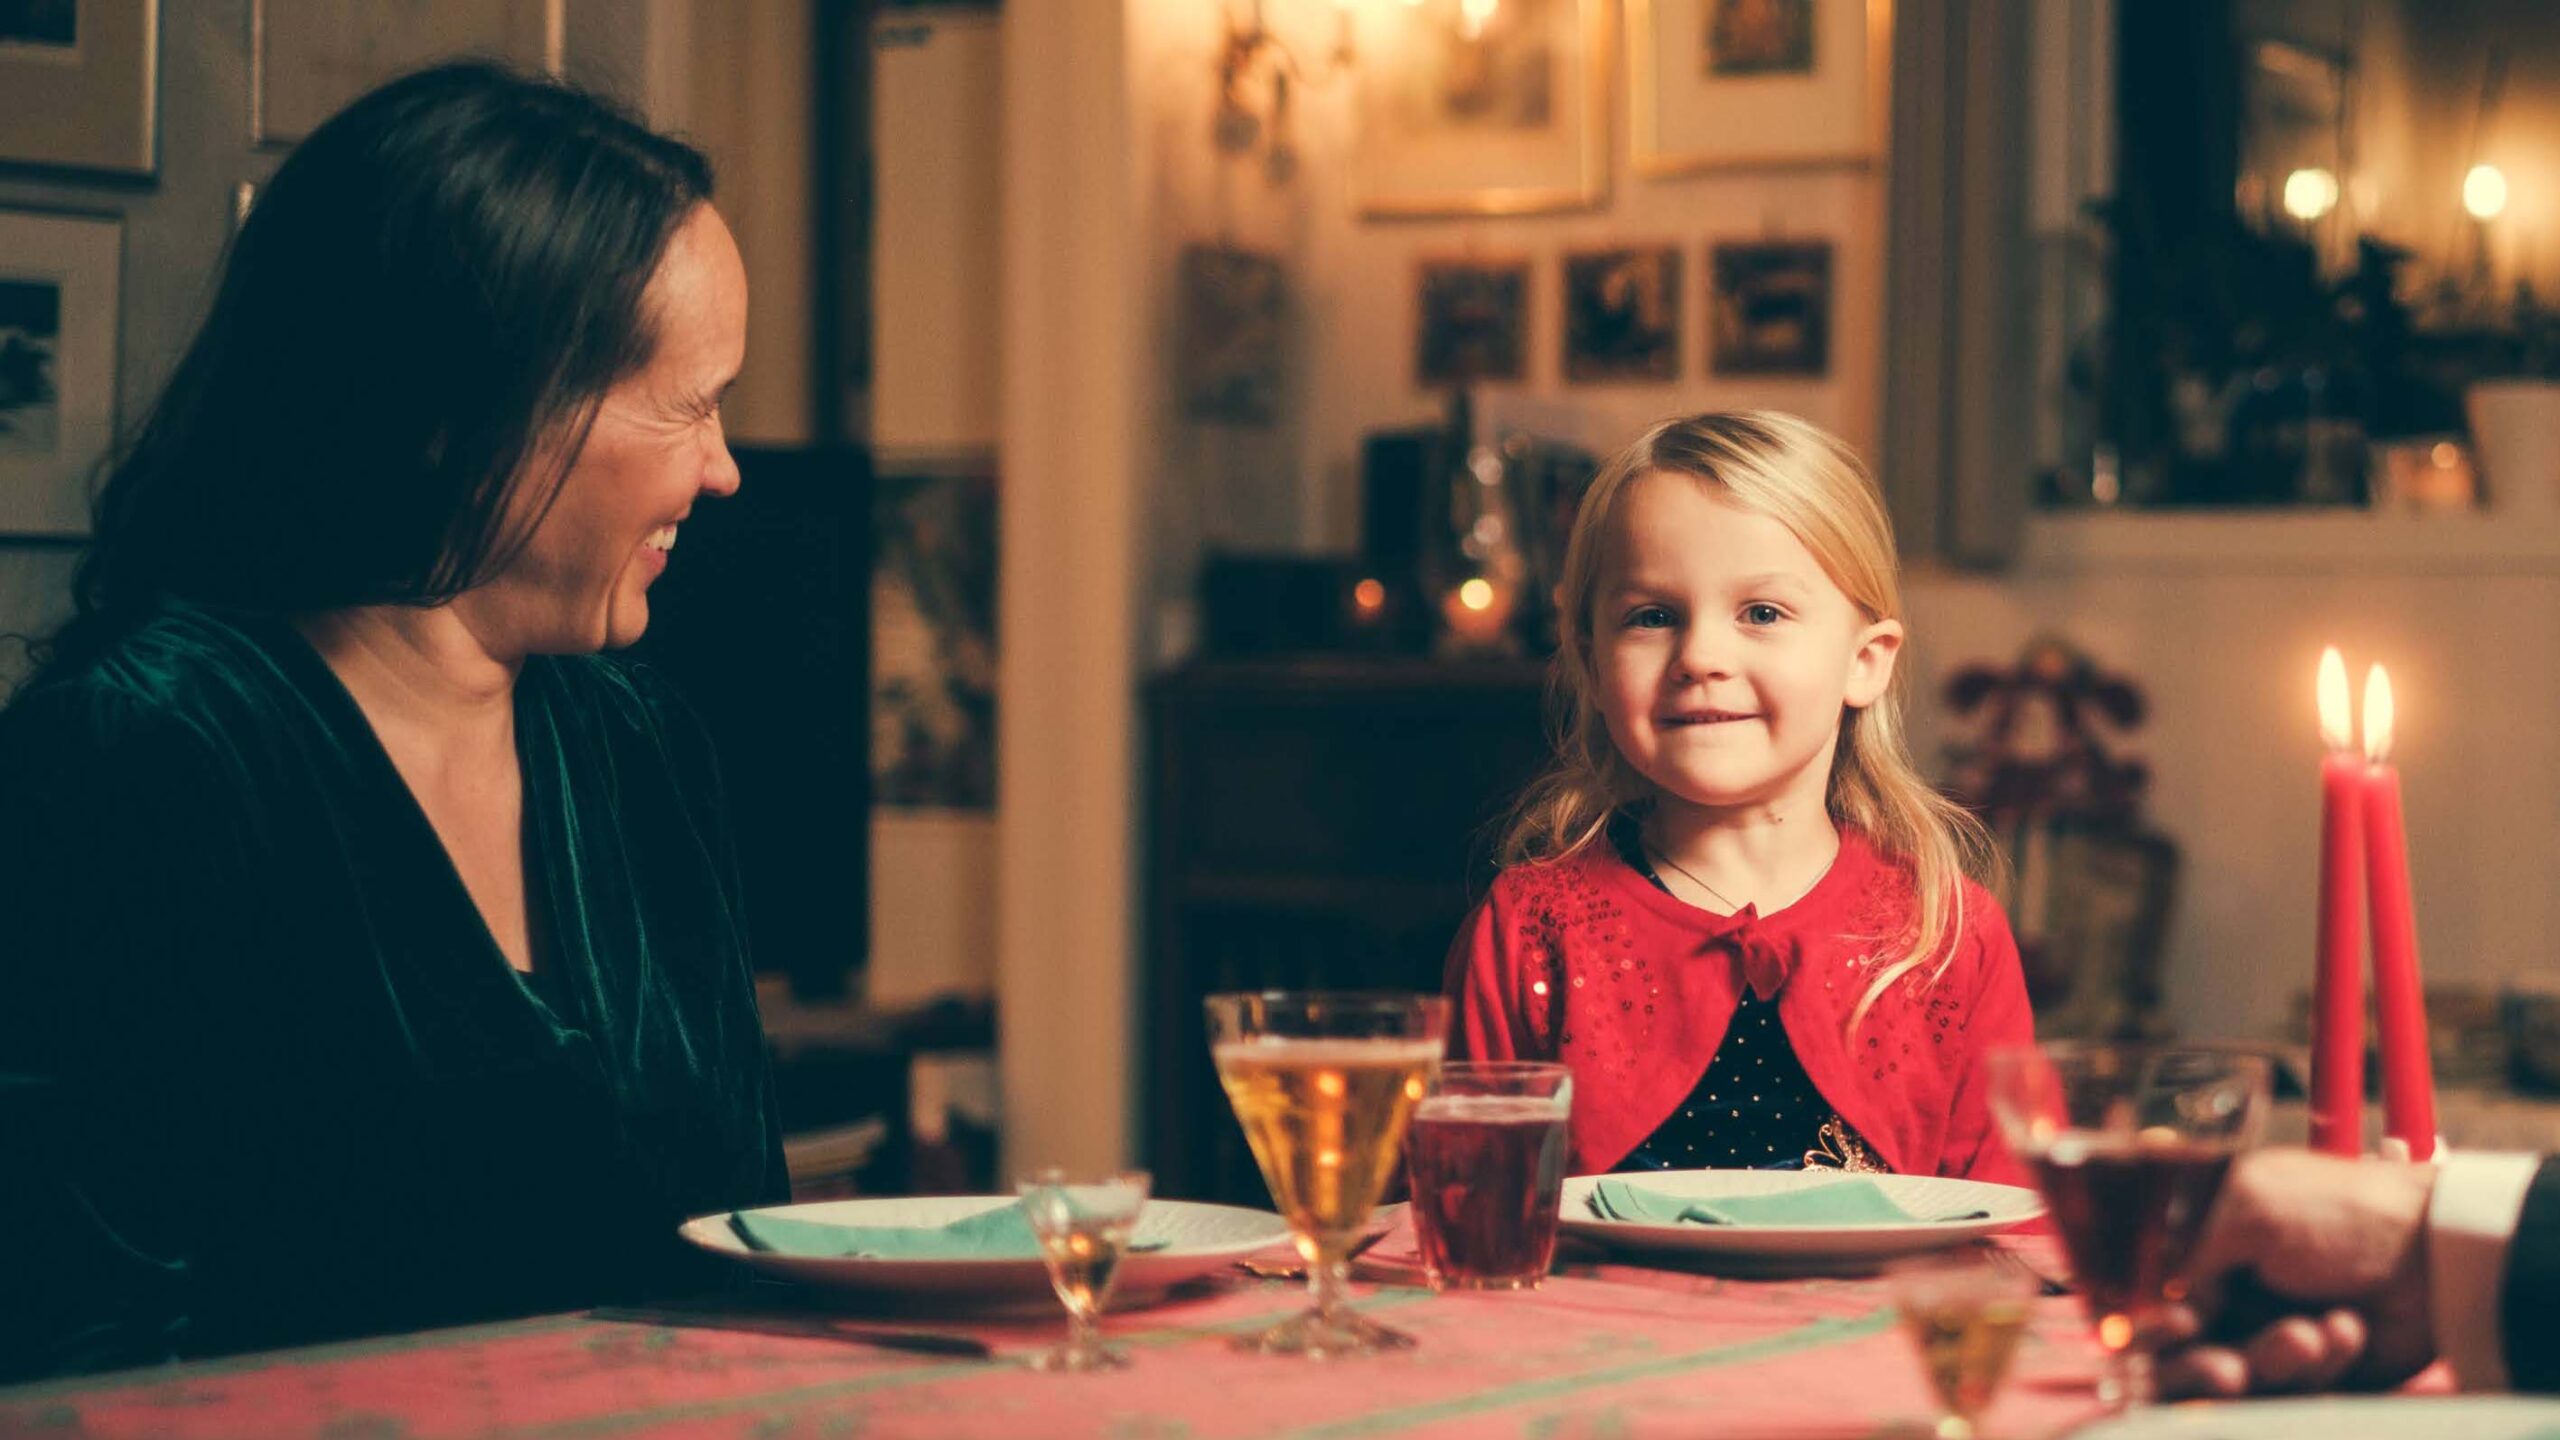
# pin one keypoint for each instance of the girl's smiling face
(1723, 654)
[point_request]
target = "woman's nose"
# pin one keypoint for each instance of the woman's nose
(720, 469)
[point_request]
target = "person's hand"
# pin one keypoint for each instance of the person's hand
(2311, 1274)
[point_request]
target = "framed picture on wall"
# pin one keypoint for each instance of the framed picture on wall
(1233, 308)
(82, 77)
(1744, 84)
(1622, 314)
(1771, 309)
(933, 640)
(58, 312)
(308, 58)
(1471, 321)
(1474, 109)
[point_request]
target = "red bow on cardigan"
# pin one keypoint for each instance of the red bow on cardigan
(1766, 962)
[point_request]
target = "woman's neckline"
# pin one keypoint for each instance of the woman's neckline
(327, 690)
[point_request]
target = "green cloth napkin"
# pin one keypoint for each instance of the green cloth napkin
(1842, 1202)
(999, 1234)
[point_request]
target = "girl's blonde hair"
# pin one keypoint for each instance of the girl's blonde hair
(1795, 473)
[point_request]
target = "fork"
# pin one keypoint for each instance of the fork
(1297, 1269)
(2046, 1285)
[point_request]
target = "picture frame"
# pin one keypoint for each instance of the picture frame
(1622, 314)
(2092, 904)
(1757, 84)
(83, 81)
(1471, 320)
(1466, 114)
(1231, 354)
(308, 58)
(1770, 311)
(934, 641)
(59, 309)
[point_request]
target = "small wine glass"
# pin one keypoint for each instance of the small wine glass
(1966, 1313)
(1083, 1225)
(2130, 1144)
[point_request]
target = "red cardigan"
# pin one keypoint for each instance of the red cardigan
(1585, 961)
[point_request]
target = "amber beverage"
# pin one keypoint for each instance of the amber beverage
(1323, 1084)
(1325, 1119)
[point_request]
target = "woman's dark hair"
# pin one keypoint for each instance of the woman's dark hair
(427, 302)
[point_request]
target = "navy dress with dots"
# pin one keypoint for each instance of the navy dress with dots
(1755, 1108)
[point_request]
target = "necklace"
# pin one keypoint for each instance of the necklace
(1729, 906)
(1657, 853)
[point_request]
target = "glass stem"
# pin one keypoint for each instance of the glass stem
(1084, 1331)
(1328, 1280)
(2126, 1383)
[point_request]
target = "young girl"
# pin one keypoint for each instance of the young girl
(1733, 907)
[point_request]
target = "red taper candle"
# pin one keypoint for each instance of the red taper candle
(2337, 1005)
(2408, 1069)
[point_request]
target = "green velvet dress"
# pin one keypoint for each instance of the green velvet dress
(265, 1077)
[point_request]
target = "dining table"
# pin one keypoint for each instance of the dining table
(1603, 1348)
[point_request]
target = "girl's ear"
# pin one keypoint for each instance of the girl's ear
(1871, 665)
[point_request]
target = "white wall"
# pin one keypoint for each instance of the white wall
(2220, 619)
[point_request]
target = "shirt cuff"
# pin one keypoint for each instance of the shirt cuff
(2471, 1220)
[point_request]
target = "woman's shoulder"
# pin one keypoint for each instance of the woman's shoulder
(182, 671)
(629, 708)
(624, 692)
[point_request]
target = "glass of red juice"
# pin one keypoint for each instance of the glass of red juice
(2130, 1144)
(1485, 1156)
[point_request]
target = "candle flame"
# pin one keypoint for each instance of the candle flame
(2337, 725)
(2377, 715)
(1476, 595)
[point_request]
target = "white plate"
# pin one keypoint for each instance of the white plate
(1801, 1247)
(2407, 1417)
(1198, 1239)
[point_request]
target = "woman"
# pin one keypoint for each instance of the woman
(374, 956)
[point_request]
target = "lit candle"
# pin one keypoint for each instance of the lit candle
(2337, 1007)
(2408, 1071)
(1477, 612)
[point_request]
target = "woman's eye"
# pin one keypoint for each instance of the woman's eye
(1762, 613)
(1648, 617)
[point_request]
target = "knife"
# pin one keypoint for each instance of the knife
(920, 1342)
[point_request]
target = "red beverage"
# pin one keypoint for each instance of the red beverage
(2130, 1211)
(1487, 1173)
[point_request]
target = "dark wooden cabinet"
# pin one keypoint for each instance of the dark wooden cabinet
(1318, 824)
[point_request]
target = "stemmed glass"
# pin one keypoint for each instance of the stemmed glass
(2130, 1145)
(1966, 1315)
(1083, 1226)
(1324, 1084)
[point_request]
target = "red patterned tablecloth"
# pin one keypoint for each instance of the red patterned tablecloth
(1599, 1351)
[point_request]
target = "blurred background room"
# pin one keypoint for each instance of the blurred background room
(1162, 417)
